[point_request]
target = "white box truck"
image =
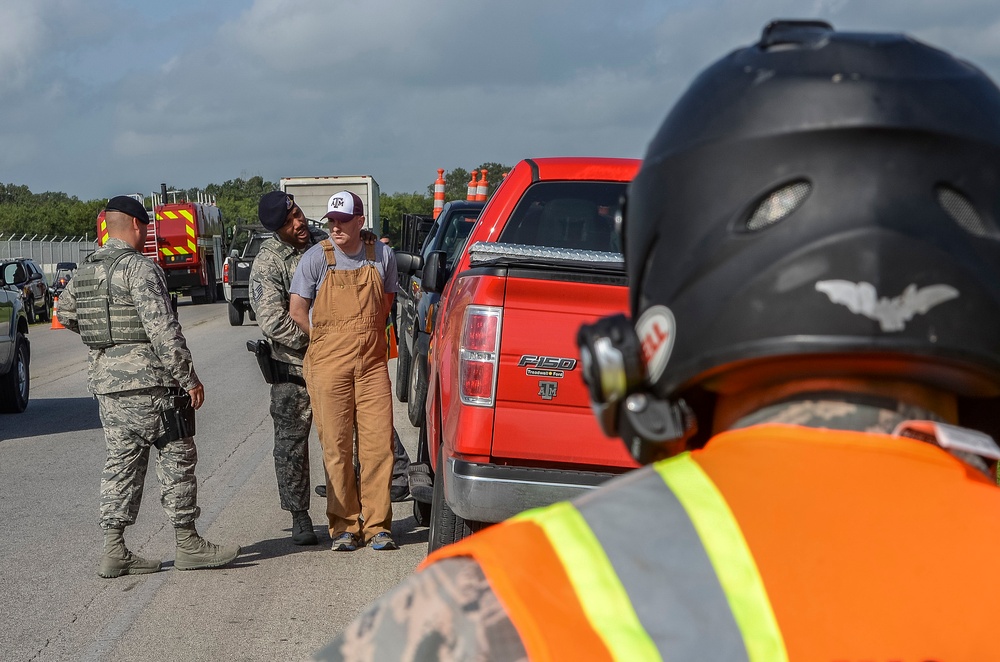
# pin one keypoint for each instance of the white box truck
(312, 193)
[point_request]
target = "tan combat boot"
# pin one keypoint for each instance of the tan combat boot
(118, 560)
(196, 553)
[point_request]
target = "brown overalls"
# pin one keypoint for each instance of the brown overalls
(347, 378)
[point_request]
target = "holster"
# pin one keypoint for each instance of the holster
(274, 371)
(179, 420)
(262, 351)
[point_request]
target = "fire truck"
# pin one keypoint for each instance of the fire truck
(187, 240)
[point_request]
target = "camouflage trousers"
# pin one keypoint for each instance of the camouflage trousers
(132, 425)
(400, 464)
(292, 415)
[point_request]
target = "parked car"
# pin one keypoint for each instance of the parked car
(24, 274)
(64, 272)
(15, 352)
(507, 424)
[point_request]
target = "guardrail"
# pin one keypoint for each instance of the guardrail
(46, 250)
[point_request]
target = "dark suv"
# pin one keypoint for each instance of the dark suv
(15, 352)
(24, 274)
(415, 307)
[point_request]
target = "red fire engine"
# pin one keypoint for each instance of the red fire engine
(187, 240)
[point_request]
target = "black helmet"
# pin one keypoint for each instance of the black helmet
(822, 203)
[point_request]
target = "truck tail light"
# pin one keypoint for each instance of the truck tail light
(479, 355)
(225, 272)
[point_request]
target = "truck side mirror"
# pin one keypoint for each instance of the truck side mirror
(435, 273)
(408, 263)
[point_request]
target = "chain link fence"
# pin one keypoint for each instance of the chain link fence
(46, 251)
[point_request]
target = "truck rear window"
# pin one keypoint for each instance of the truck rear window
(254, 245)
(576, 215)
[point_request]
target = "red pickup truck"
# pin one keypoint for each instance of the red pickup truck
(508, 424)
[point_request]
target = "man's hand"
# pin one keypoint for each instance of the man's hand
(197, 396)
(368, 237)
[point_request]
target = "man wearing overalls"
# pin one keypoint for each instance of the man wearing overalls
(341, 294)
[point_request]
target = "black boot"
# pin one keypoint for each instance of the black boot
(302, 528)
(421, 482)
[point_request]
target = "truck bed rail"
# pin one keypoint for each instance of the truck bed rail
(484, 253)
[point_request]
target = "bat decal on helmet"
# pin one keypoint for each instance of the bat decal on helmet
(891, 314)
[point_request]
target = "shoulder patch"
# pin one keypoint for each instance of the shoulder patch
(153, 287)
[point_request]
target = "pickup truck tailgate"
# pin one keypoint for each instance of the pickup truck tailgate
(542, 409)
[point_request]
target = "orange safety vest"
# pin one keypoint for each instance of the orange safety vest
(773, 542)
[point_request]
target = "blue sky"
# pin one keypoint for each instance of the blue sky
(101, 97)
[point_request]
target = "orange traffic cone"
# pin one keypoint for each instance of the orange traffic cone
(439, 192)
(472, 186)
(56, 324)
(482, 187)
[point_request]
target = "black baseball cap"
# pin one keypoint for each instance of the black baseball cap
(130, 206)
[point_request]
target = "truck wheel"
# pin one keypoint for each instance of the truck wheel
(16, 384)
(417, 395)
(29, 310)
(403, 371)
(211, 287)
(46, 315)
(445, 526)
(235, 315)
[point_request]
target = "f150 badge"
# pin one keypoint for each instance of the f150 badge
(546, 366)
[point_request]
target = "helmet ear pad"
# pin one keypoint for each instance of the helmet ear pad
(873, 214)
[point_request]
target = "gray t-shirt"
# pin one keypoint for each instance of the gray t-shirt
(313, 268)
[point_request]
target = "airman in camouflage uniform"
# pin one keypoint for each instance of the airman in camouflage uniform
(270, 278)
(135, 381)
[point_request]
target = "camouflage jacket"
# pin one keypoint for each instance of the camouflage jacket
(270, 278)
(165, 360)
(448, 611)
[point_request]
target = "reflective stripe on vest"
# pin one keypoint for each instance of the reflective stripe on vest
(707, 602)
(602, 596)
(730, 556)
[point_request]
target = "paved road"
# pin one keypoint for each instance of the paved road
(277, 602)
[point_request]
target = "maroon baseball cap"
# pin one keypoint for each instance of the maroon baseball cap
(344, 206)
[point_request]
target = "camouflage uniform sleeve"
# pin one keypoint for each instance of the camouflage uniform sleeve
(269, 299)
(148, 288)
(66, 308)
(445, 612)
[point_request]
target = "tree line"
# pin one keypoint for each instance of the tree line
(23, 212)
